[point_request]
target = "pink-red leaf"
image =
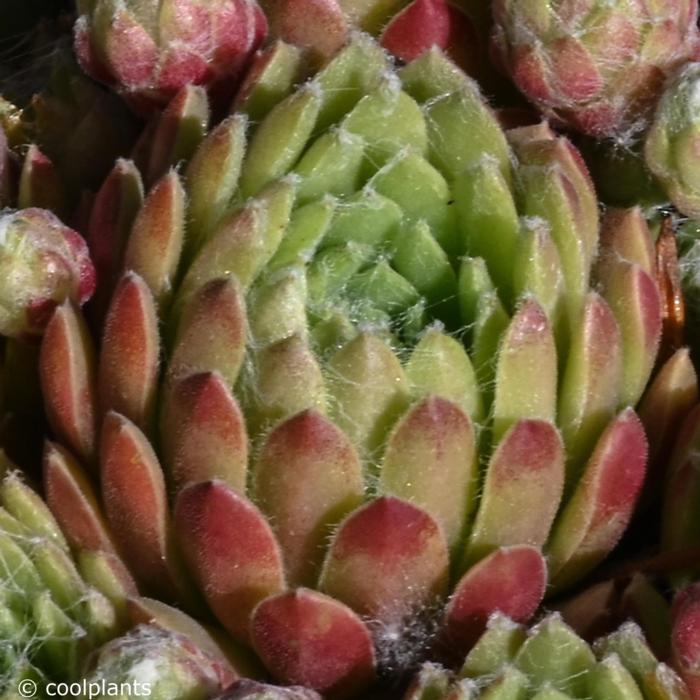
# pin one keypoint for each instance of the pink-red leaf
(511, 581)
(377, 550)
(231, 550)
(309, 639)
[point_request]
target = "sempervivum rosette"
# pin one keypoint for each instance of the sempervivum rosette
(149, 49)
(597, 66)
(388, 387)
(673, 141)
(43, 262)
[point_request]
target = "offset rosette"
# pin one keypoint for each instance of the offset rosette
(42, 264)
(153, 662)
(597, 66)
(673, 141)
(354, 386)
(148, 49)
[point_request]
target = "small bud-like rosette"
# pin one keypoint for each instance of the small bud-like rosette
(42, 263)
(673, 141)
(149, 49)
(153, 662)
(597, 66)
(366, 376)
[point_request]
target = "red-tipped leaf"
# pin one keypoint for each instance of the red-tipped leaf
(128, 372)
(376, 550)
(67, 371)
(309, 639)
(307, 478)
(231, 550)
(511, 581)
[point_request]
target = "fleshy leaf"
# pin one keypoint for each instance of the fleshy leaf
(430, 460)
(439, 365)
(496, 647)
(272, 75)
(203, 432)
(154, 246)
(307, 478)
(40, 184)
(633, 297)
(286, 378)
(113, 212)
(526, 373)
(180, 129)
(376, 550)
(554, 654)
(280, 139)
(24, 504)
(309, 639)
(231, 551)
(70, 495)
(591, 383)
(668, 399)
(134, 496)
(67, 370)
(212, 332)
(511, 581)
(600, 508)
(522, 490)
(211, 178)
(128, 370)
(369, 390)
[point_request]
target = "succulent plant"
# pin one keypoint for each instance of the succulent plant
(550, 662)
(672, 141)
(596, 66)
(52, 609)
(148, 50)
(387, 382)
(153, 662)
(42, 263)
